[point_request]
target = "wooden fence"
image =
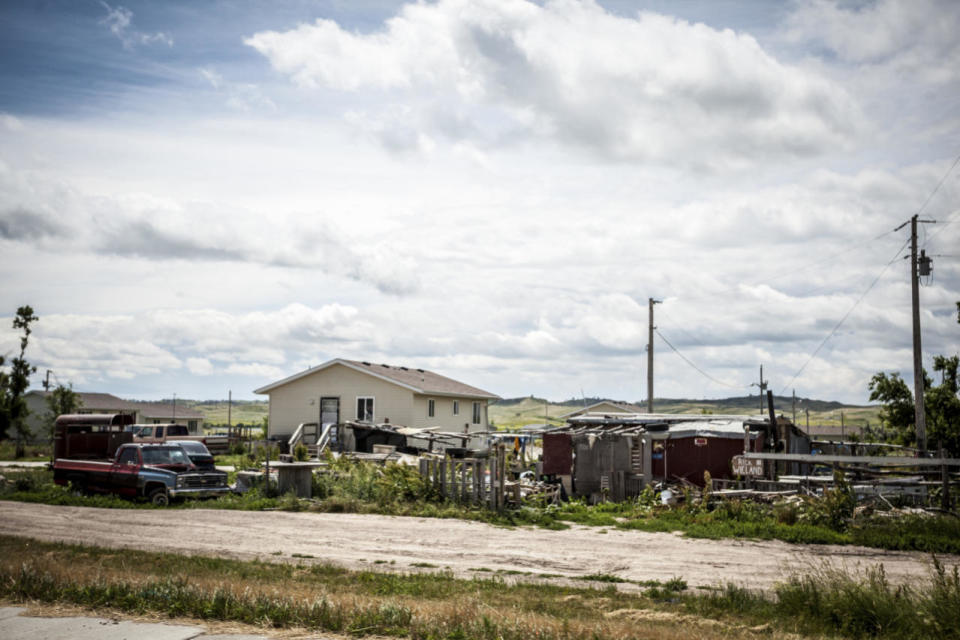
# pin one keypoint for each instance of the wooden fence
(480, 481)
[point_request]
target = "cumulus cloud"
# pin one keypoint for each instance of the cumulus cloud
(119, 20)
(53, 215)
(92, 349)
(916, 37)
(21, 224)
(649, 88)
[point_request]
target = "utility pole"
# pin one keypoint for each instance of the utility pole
(651, 302)
(794, 406)
(174, 408)
(230, 411)
(763, 387)
(923, 262)
(46, 381)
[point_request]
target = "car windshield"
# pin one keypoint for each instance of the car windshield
(165, 455)
(193, 447)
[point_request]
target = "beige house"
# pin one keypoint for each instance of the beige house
(142, 412)
(347, 390)
(606, 407)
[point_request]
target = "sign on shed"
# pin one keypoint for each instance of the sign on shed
(747, 467)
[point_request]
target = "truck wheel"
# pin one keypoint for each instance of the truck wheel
(159, 497)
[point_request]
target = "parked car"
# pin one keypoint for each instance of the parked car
(198, 453)
(166, 432)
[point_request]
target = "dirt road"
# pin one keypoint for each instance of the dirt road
(370, 541)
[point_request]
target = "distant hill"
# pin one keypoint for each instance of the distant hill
(665, 405)
(513, 413)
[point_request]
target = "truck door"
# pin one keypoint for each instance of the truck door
(125, 471)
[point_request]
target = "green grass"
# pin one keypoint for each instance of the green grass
(34, 453)
(435, 605)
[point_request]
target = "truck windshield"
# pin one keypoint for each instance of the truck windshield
(165, 455)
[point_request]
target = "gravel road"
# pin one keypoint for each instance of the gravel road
(372, 541)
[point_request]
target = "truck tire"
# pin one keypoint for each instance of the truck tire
(159, 497)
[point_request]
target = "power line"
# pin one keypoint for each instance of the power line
(846, 315)
(939, 184)
(689, 362)
(678, 328)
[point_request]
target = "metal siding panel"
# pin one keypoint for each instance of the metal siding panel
(557, 454)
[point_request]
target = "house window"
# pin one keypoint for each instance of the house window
(456, 407)
(365, 408)
(476, 413)
(192, 425)
(431, 408)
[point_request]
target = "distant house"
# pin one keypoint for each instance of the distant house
(605, 407)
(341, 390)
(142, 412)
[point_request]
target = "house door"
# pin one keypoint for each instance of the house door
(330, 414)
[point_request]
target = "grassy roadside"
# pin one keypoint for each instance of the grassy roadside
(300, 594)
(355, 487)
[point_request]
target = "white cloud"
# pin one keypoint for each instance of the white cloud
(241, 96)
(648, 89)
(199, 366)
(10, 122)
(58, 217)
(916, 37)
(120, 19)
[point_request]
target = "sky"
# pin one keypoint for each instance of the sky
(203, 198)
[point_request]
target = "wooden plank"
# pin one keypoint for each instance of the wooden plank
(878, 461)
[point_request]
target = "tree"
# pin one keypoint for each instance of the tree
(896, 410)
(13, 406)
(941, 402)
(60, 401)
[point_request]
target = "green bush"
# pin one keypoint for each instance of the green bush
(301, 453)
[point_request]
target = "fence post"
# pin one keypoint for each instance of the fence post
(443, 477)
(477, 480)
(464, 490)
(492, 487)
(502, 468)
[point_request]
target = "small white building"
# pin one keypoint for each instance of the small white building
(341, 390)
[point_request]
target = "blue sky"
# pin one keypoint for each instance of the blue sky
(203, 197)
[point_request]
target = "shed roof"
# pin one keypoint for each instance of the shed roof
(677, 425)
(625, 407)
(417, 380)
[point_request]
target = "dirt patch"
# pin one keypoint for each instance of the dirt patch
(390, 543)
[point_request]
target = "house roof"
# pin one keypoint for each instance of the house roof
(108, 402)
(98, 401)
(626, 408)
(417, 380)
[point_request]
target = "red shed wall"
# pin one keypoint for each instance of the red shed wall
(685, 459)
